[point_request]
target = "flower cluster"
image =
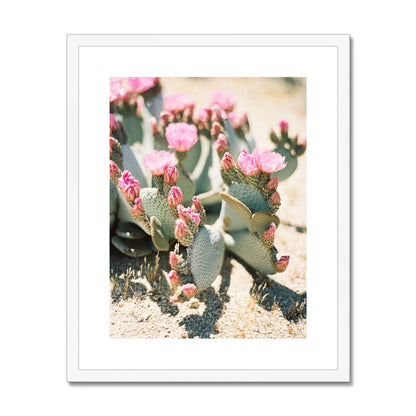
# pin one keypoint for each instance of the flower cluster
(296, 146)
(179, 106)
(129, 185)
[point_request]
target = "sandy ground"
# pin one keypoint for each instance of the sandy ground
(241, 303)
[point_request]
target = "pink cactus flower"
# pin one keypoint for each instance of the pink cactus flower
(171, 175)
(216, 128)
(224, 99)
(237, 120)
(181, 136)
(272, 184)
(282, 263)
(189, 290)
(115, 88)
(181, 229)
(269, 162)
(114, 170)
(137, 208)
(275, 198)
(184, 213)
(196, 206)
(284, 127)
(269, 233)
(142, 84)
(227, 162)
(196, 218)
(247, 163)
(155, 127)
(174, 278)
(158, 161)
(175, 197)
(221, 144)
(173, 259)
(178, 103)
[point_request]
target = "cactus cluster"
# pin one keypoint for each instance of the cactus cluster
(170, 168)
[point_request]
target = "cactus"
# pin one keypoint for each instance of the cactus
(195, 165)
(249, 204)
(289, 147)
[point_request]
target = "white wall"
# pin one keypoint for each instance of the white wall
(33, 260)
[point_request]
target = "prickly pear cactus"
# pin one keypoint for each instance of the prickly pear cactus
(249, 204)
(161, 156)
(289, 147)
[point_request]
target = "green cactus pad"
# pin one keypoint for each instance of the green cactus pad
(200, 172)
(132, 248)
(156, 205)
(236, 215)
(134, 128)
(205, 256)
(249, 196)
(261, 221)
(192, 157)
(159, 238)
(113, 203)
(251, 249)
(131, 164)
(187, 186)
(292, 163)
(130, 231)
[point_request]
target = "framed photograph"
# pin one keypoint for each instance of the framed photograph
(207, 239)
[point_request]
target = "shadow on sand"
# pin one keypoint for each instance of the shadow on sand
(204, 325)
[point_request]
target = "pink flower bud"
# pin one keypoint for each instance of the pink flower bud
(175, 197)
(237, 120)
(302, 142)
(175, 299)
(153, 123)
(195, 217)
(269, 234)
(137, 208)
(181, 229)
(164, 118)
(221, 144)
(171, 175)
(184, 213)
(113, 142)
(227, 162)
(217, 114)
(114, 170)
(284, 127)
(174, 277)
(272, 184)
(216, 128)
(189, 290)
(196, 206)
(131, 191)
(282, 263)
(275, 198)
(173, 259)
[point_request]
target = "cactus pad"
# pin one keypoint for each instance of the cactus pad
(205, 256)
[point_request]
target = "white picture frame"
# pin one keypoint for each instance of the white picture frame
(83, 47)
